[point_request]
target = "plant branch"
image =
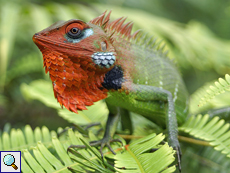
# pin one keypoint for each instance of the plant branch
(193, 141)
(130, 136)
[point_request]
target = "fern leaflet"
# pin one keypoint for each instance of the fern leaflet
(220, 87)
(136, 160)
(215, 131)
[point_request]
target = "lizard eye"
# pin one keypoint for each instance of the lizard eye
(74, 33)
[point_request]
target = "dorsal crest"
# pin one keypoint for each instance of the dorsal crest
(117, 26)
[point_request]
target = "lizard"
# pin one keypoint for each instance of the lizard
(101, 59)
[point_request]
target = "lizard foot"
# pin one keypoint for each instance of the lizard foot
(174, 143)
(103, 142)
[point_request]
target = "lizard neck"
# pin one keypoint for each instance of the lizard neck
(125, 60)
(75, 84)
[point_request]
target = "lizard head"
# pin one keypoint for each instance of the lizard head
(77, 56)
(79, 41)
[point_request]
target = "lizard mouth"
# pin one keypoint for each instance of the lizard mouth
(42, 40)
(103, 59)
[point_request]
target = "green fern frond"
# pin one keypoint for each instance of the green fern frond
(213, 160)
(36, 156)
(136, 160)
(42, 151)
(215, 131)
(17, 140)
(89, 163)
(194, 107)
(220, 87)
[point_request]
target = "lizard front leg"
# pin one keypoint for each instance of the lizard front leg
(144, 93)
(110, 129)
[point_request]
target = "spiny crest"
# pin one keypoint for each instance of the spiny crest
(119, 27)
(101, 20)
(149, 42)
(116, 27)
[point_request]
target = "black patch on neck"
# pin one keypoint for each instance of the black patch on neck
(113, 79)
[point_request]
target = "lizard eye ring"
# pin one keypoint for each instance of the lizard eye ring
(74, 33)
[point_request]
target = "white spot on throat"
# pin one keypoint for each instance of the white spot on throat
(103, 59)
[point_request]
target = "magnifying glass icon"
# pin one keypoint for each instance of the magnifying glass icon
(9, 160)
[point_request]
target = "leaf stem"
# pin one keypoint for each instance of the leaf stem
(181, 138)
(130, 136)
(193, 141)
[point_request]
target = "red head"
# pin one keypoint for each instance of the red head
(77, 55)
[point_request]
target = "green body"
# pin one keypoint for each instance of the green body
(150, 67)
(152, 87)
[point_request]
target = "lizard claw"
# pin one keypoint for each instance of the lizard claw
(81, 128)
(174, 143)
(75, 146)
(178, 154)
(105, 142)
(92, 125)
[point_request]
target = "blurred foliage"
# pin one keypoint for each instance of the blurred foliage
(43, 151)
(196, 34)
